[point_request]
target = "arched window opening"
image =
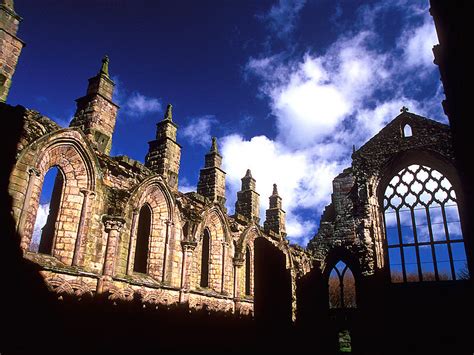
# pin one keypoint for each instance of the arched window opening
(48, 211)
(247, 272)
(407, 131)
(422, 227)
(143, 238)
(342, 292)
(204, 282)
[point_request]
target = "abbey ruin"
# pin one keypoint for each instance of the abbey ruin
(120, 235)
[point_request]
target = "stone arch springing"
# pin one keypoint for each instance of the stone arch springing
(66, 150)
(422, 226)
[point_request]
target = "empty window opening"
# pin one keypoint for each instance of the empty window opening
(48, 211)
(342, 288)
(407, 131)
(143, 238)
(422, 227)
(247, 272)
(204, 282)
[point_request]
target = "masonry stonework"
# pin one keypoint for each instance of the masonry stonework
(98, 230)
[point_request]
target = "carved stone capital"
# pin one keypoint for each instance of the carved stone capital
(34, 171)
(113, 223)
(188, 245)
(239, 261)
(87, 192)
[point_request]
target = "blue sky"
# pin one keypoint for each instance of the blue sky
(287, 86)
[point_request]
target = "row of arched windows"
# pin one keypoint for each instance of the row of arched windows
(48, 212)
(422, 227)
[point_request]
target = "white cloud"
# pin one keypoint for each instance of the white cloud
(185, 185)
(282, 16)
(304, 177)
(41, 217)
(323, 104)
(139, 105)
(198, 130)
(418, 51)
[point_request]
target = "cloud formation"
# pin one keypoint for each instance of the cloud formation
(323, 103)
(138, 105)
(198, 130)
(282, 16)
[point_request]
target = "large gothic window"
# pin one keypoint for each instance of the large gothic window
(342, 292)
(422, 227)
(48, 211)
(143, 238)
(206, 239)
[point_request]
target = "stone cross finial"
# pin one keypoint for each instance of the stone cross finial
(104, 69)
(404, 109)
(214, 145)
(169, 113)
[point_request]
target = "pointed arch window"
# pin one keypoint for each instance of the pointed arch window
(44, 231)
(206, 239)
(248, 264)
(422, 227)
(342, 291)
(407, 131)
(140, 263)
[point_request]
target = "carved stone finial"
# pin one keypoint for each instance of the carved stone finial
(248, 174)
(404, 109)
(275, 190)
(169, 113)
(214, 145)
(104, 69)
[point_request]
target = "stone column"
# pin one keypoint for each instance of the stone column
(33, 175)
(113, 226)
(131, 245)
(78, 252)
(188, 249)
(165, 252)
(224, 257)
(238, 267)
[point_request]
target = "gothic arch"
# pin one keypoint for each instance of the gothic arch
(414, 249)
(68, 151)
(164, 250)
(220, 254)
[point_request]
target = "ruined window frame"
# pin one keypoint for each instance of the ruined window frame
(435, 202)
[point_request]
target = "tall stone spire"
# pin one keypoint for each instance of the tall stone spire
(275, 216)
(164, 153)
(10, 46)
(247, 203)
(212, 178)
(96, 113)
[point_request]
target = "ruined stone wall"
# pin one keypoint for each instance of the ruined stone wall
(353, 222)
(95, 233)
